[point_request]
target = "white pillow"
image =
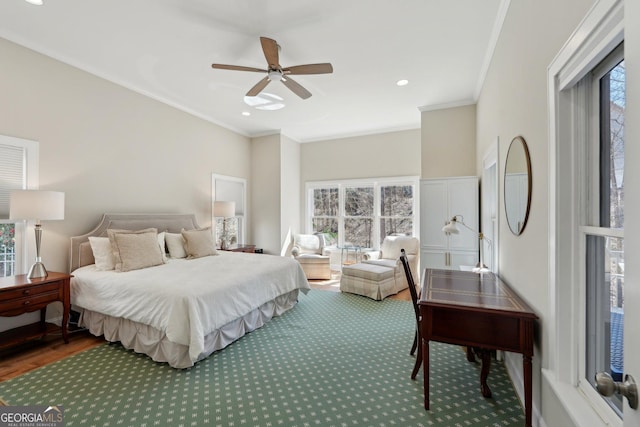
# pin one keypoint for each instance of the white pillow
(175, 244)
(163, 247)
(102, 253)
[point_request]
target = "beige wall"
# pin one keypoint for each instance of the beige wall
(379, 155)
(265, 193)
(108, 148)
(513, 102)
(448, 142)
(289, 187)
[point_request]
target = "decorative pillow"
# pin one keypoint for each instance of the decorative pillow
(163, 247)
(133, 250)
(199, 243)
(101, 248)
(175, 244)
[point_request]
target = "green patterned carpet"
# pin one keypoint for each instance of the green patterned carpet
(334, 360)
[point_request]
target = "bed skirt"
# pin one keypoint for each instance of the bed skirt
(150, 341)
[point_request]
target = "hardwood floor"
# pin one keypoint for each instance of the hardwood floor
(26, 357)
(23, 358)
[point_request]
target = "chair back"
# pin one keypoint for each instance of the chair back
(412, 284)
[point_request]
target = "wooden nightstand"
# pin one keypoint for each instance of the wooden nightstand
(241, 248)
(19, 295)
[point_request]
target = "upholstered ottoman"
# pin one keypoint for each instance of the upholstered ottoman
(369, 280)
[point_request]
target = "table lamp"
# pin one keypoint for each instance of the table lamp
(452, 228)
(36, 205)
(224, 210)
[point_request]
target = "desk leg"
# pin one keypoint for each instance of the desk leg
(484, 373)
(526, 366)
(425, 371)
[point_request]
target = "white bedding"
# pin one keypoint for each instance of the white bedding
(188, 298)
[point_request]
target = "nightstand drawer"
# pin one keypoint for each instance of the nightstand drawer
(31, 291)
(28, 303)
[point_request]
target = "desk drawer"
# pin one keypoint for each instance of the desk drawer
(31, 291)
(475, 329)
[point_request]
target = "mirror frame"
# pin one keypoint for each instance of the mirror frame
(518, 140)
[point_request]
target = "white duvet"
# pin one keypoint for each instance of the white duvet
(188, 298)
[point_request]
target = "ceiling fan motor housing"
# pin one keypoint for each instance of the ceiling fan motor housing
(275, 75)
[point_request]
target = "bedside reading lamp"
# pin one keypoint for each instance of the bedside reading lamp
(224, 210)
(452, 228)
(36, 205)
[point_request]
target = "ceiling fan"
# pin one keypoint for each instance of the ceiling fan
(276, 72)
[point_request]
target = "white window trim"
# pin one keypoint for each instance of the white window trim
(376, 183)
(24, 229)
(597, 35)
(241, 218)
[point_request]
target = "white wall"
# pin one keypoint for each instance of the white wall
(108, 148)
(513, 102)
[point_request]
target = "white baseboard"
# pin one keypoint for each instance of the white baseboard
(513, 364)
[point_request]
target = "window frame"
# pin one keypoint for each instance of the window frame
(599, 33)
(24, 229)
(376, 183)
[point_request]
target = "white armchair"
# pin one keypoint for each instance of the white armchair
(309, 251)
(389, 256)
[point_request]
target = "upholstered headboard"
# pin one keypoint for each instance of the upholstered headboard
(81, 253)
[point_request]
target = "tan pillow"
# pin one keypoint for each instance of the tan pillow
(133, 250)
(199, 243)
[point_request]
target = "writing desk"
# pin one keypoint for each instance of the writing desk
(478, 311)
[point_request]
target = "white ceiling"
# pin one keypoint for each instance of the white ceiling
(165, 48)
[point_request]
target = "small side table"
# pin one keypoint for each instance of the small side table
(19, 295)
(241, 248)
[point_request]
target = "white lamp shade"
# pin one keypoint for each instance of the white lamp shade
(36, 204)
(224, 209)
(451, 228)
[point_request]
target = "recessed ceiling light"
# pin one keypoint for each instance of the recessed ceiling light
(265, 101)
(402, 82)
(246, 113)
(36, 2)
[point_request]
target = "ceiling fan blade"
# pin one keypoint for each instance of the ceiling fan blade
(237, 68)
(296, 87)
(254, 91)
(324, 68)
(270, 49)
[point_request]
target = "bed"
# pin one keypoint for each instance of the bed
(183, 309)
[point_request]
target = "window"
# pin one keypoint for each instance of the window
(603, 227)
(18, 160)
(230, 189)
(363, 212)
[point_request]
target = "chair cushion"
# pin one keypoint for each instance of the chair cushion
(389, 263)
(375, 273)
(313, 259)
(307, 244)
(391, 246)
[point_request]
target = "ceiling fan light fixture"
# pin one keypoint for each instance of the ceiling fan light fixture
(275, 75)
(35, 2)
(402, 82)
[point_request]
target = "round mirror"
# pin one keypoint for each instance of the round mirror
(517, 185)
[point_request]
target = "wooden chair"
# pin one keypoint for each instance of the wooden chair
(417, 340)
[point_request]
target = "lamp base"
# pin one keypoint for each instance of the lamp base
(37, 270)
